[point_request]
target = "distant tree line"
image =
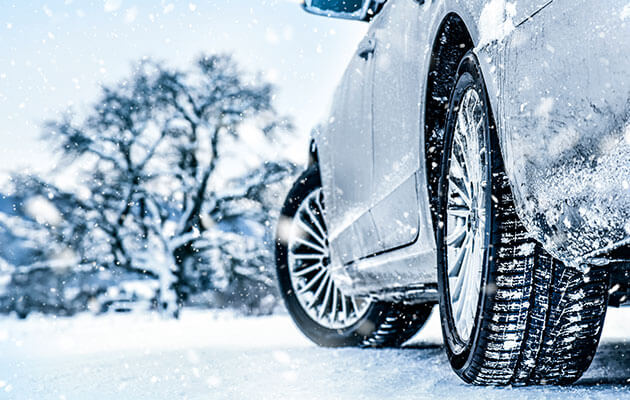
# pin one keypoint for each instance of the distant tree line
(161, 186)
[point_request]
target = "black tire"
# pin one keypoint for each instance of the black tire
(383, 325)
(537, 320)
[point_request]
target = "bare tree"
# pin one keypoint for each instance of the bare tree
(147, 157)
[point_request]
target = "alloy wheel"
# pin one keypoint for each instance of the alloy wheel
(467, 228)
(309, 269)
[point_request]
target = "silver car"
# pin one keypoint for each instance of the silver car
(477, 155)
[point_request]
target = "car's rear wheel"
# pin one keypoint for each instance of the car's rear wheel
(511, 314)
(317, 305)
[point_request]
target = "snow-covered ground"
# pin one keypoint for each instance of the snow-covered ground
(207, 355)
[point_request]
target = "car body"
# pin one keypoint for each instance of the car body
(476, 155)
(558, 84)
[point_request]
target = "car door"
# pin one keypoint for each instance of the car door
(347, 165)
(396, 115)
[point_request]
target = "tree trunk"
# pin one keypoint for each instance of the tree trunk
(182, 256)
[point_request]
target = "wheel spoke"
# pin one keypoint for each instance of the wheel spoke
(316, 257)
(457, 169)
(455, 269)
(459, 303)
(320, 209)
(458, 211)
(326, 298)
(333, 307)
(459, 157)
(308, 270)
(310, 244)
(343, 315)
(473, 294)
(461, 279)
(314, 235)
(455, 238)
(312, 282)
(467, 143)
(315, 220)
(469, 111)
(353, 300)
(320, 288)
(461, 189)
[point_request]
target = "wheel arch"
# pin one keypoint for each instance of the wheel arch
(451, 42)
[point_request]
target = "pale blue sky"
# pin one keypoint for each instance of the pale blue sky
(56, 53)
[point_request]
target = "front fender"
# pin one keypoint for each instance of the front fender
(560, 91)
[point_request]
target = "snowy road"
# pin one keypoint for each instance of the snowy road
(210, 356)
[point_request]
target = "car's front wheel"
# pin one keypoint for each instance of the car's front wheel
(511, 314)
(321, 310)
